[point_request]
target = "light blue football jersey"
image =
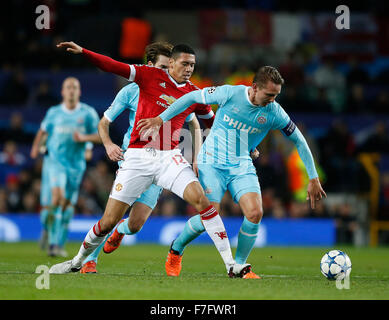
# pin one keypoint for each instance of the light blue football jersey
(127, 98)
(60, 124)
(239, 125)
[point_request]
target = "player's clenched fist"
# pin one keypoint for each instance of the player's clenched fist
(71, 47)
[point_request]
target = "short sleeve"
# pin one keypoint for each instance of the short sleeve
(125, 99)
(47, 122)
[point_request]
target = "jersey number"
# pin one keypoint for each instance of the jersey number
(178, 159)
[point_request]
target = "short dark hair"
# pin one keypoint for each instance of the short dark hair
(156, 49)
(181, 48)
(266, 74)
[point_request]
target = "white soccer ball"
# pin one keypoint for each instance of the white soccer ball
(335, 265)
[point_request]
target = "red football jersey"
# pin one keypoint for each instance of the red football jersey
(157, 91)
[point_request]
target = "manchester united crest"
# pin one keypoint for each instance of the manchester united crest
(118, 187)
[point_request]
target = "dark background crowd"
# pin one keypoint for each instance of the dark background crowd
(339, 102)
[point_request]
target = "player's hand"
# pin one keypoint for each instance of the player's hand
(34, 152)
(70, 47)
(254, 154)
(315, 192)
(149, 127)
(114, 152)
(79, 137)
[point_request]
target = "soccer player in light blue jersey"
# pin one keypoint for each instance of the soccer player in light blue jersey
(69, 126)
(45, 190)
(157, 55)
(244, 117)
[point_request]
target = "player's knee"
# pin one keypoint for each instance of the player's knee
(254, 214)
(107, 225)
(201, 202)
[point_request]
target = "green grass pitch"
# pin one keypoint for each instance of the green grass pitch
(137, 273)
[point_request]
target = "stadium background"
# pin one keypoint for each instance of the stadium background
(336, 90)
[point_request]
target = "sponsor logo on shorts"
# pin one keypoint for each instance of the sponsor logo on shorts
(222, 235)
(118, 187)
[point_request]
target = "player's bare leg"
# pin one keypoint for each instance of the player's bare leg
(114, 211)
(139, 214)
(251, 205)
(193, 228)
(213, 224)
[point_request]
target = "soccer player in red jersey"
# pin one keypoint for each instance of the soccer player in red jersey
(153, 159)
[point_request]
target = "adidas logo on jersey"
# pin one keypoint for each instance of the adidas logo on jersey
(163, 84)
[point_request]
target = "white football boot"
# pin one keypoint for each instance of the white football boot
(65, 267)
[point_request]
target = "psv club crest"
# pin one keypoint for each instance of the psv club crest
(261, 120)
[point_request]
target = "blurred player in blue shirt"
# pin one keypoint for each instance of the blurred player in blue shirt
(243, 119)
(69, 126)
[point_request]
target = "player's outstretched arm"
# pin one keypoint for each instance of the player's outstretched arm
(315, 191)
(151, 125)
(104, 63)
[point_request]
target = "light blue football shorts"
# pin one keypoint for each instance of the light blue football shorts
(239, 180)
(68, 179)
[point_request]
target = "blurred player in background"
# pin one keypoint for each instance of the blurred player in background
(68, 126)
(244, 117)
(153, 159)
(157, 55)
(45, 190)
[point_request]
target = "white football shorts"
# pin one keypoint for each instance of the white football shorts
(143, 166)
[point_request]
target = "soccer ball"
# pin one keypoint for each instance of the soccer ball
(335, 265)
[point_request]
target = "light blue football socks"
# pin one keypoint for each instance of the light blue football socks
(122, 228)
(193, 228)
(54, 225)
(95, 254)
(43, 218)
(67, 216)
(246, 239)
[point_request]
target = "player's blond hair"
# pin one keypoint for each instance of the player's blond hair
(266, 74)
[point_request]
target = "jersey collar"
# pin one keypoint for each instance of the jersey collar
(248, 98)
(178, 85)
(78, 106)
